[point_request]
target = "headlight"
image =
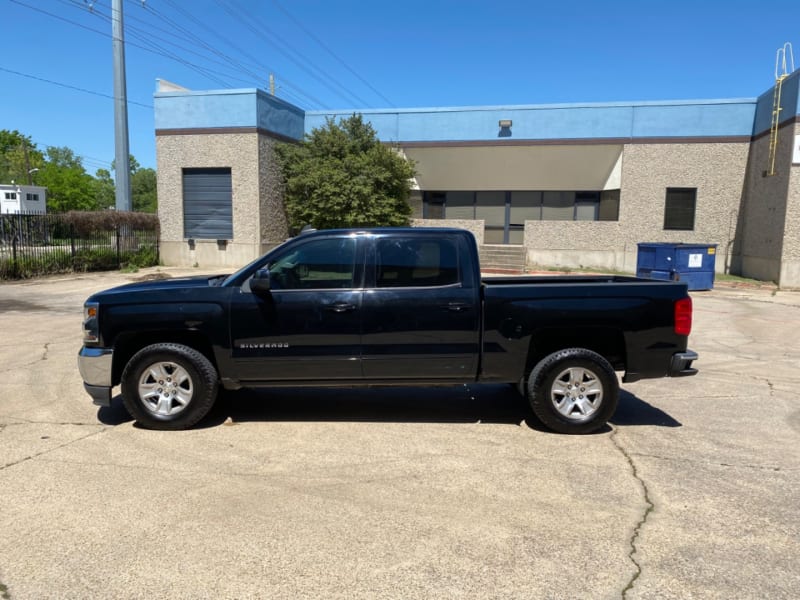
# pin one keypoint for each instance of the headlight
(91, 329)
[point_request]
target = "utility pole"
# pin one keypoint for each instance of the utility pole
(121, 155)
(271, 84)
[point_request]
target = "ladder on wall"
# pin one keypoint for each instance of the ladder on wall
(783, 69)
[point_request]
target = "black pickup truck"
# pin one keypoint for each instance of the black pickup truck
(404, 307)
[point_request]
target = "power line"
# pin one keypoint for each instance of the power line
(282, 46)
(146, 36)
(215, 33)
(85, 161)
(298, 93)
(159, 49)
(329, 51)
(177, 30)
(72, 87)
(104, 34)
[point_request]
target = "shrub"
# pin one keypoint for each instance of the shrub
(86, 222)
(145, 256)
(95, 259)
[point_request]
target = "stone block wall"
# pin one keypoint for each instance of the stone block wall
(790, 263)
(715, 169)
(257, 200)
(476, 227)
(273, 222)
(759, 245)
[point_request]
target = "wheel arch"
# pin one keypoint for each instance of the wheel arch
(608, 342)
(129, 344)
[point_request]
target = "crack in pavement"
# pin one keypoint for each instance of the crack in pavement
(22, 421)
(648, 509)
(769, 383)
(714, 464)
(43, 452)
(43, 357)
(45, 351)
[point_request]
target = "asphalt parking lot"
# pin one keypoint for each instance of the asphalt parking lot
(402, 493)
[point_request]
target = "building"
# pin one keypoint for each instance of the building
(15, 198)
(570, 185)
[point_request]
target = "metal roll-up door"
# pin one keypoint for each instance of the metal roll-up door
(207, 204)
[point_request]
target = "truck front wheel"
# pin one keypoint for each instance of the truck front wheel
(573, 390)
(168, 386)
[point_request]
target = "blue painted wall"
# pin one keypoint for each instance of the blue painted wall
(228, 108)
(708, 118)
(701, 118)
(790, 102)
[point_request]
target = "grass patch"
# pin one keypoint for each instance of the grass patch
(727, 277)
(737, 278)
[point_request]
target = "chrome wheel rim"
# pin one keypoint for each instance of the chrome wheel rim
(165, 388)
(577, 394)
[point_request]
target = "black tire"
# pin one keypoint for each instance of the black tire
(573, 391)
(169, 386)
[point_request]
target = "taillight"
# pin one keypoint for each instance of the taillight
(683, 316)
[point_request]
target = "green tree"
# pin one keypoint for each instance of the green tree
(341, 175)
(104, 189)
(69, 186)
(143, 186)
(14, 165)
(143, 190)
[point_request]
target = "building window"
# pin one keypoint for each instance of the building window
(609, 205)
(433, 205)
(459, 205)
(679, 209)
(558, 206)
(587, 206)
(207, 204)
(32, 197)
(513, 208)
(11, 195)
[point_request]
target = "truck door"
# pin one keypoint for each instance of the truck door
(307, 327)
(420, 317)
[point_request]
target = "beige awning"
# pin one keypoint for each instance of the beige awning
(542, 167)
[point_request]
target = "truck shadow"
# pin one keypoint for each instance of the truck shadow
(633, 411)
(484, 403)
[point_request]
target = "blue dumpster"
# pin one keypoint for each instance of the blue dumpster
(692, 263)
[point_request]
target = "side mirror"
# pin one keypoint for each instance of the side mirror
(260, 284)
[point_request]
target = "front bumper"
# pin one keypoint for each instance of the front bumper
(681, 365)
(95, 367)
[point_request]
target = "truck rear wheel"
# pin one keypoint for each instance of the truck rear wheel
(573, 390)
(169, 386)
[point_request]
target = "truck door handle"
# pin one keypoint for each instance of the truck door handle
(457, 306)
(340, 307)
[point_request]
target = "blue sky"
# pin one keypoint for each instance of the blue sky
(351, 54)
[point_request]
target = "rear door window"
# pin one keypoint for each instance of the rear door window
(415, 262)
